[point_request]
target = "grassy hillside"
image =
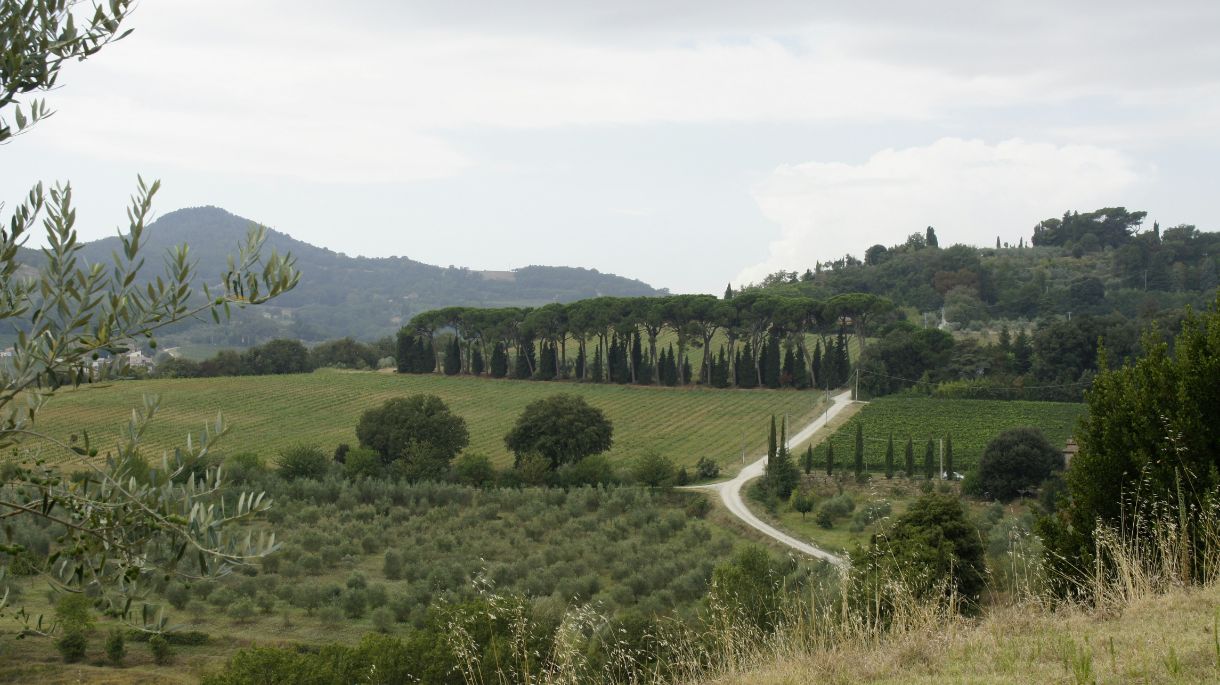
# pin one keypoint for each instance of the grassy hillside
(271, 412)
(971, 423)
(1168, 638)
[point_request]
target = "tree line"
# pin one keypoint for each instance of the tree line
(765, 340)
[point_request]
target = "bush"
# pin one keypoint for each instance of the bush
(383, 619)
(474, 469)
(1014, 462)
(72, 645)
(116, 648)
(74, 612)
(392, 569)
(242, 610)
(363, 463)
(706, 469)
(594, 470)
(653, 469)
(302, 461)
(161, 652)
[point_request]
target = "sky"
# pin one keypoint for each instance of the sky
(688, 144)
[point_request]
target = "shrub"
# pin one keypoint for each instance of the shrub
(392, 569)
(177, 595)
(161, 652)
(802, 502)
(302, 461)
(72, 645)
(330, 616)
(592, 470)
(383, 619)
(354, 604)
(1015, 461)
(474, 469)
(116, 647)
(706, 469)
(357, 581)
(653, 469)
(363, 463)
(74, 612)
(242, 610)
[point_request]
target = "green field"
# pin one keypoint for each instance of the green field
(971, 424)
(322, 408)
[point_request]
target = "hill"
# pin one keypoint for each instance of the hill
(321, 408)
(1096, 263)
(341, 296)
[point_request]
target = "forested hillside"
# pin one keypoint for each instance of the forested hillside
(349, 296)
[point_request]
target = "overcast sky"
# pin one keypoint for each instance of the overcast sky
(688, 144)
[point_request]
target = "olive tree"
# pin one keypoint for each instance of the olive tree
(118, 524)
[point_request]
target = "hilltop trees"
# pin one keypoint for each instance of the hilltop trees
(418, 436)
(562, 429)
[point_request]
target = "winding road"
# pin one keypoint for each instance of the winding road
(730, 490)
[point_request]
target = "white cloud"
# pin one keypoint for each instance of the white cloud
(969, 190)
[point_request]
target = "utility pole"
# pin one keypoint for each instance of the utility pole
(856, 396)
(942, 458)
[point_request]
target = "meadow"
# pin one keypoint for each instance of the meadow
(970, 423)
(268, 413)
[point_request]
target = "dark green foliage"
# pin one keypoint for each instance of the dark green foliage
(499, 361)
(417, 434)
(802, 502)
(771, 362)
(477, 366)
(706, 469)
(929, 460)
(525, 362)
(781, 474)
(345, 353)
(275, 357)
(807, 460)
(302, 461)
(561, 428)
(1017, 460)
(116, 647)
(597, 370)
(453, 357)
(932, 548)
(415, 353)
(909, 458)
(889, 457)
(1150, 429)
(363, 463)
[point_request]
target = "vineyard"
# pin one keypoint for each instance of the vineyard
(970, 423)
(270, 412)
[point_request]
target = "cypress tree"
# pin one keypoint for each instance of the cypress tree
(499, 361)
(403, 350)
(807, 460)
(598, 373)
(521, 365)
(929, 460)
(781, 474)
(428, 356)
(453, 357)
(637, 355)
(909, 456)
(720, 370)
(728, 292)
(476, 362)
(771, 362)
(580, 362)
(842, 359)
(819, 378)
(547, 362)
(771, 442)
(949, 457)
(859, 449)
(685, 370)
(889, 458)
(800, 374)
(788, 377)
(830, 457)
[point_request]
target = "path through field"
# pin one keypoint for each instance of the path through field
(730, 490)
